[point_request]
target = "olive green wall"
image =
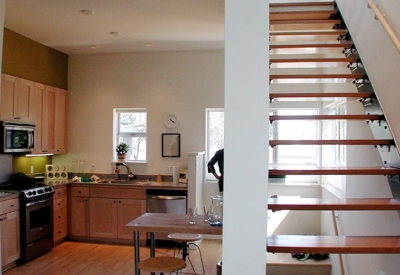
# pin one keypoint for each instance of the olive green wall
(25, 58)
(22, 164)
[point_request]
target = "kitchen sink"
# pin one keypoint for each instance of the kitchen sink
(132, 182)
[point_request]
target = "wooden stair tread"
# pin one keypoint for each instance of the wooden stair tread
(299, 32)
(282, 203)
(301, 4)
(279, 45)
(321, 171)
(321, 95)
(326, 117)
(333, 244)
(312, 76)
(310, 59)
(301, 15)
(305, 21)
(333, 142)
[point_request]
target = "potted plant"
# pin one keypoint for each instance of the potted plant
(121, 150)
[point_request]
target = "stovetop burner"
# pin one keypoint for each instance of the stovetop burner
(28, 187)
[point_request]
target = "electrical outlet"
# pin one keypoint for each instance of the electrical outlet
(93, 168)
(169, 169)
(32, 169)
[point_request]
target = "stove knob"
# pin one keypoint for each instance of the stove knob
(47, 189)
(29, 193)
(33, 192)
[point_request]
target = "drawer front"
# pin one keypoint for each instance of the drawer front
(60, 231)
(60, 203)
(10, 205)
(80, 191)
(61, 192)
(119, 193)
(60, 216)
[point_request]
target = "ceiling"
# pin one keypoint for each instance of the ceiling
(168, 25)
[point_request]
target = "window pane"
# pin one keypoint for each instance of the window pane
(137, 146)
(215, 136)
(132, 122)
(293, 130)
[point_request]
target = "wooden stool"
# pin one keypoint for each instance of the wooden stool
(162, 264)
(185, 240)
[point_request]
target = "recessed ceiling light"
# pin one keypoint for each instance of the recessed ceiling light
(115, 33)
(87, 12)
(94, 47)
(150, 44)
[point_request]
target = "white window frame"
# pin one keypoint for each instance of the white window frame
(208, 155)
(117, 133)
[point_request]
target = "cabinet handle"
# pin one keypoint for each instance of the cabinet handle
(59, 203)
(59, 217)
(12, 205)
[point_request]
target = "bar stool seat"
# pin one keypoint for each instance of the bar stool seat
(185, 240)
(161, 264)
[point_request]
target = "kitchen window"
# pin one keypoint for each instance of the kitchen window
(131, 128)
(214, 136)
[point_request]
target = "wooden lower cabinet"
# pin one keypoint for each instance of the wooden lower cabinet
(103, 218)
(10, 236)
(60, 213)
(128, 210)
(79, 216)
(105, 211)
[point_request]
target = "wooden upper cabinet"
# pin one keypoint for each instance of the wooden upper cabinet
(45, 106)
(16, 98)
(37, 109)
(55, 120)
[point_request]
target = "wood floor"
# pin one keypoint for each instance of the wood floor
(74, 258)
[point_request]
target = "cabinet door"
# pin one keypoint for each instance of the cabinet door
(49, 110)
(10, 238)
(129, 210)
(37, 116)
(8, 86)
(103, 218)
(55, 120)
(79, 216)
(16, 98)
(60, 127)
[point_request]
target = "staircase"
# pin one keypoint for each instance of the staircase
(314, 33)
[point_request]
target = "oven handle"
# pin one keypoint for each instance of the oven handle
(40, 201)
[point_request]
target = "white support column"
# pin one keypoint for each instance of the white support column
(246, 136)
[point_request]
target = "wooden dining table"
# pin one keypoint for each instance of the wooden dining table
(166, 223)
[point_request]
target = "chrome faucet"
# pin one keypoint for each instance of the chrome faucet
(129, 174)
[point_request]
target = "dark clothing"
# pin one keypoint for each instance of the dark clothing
(218, 158)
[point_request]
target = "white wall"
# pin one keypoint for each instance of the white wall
(382, 63)
(183, 82)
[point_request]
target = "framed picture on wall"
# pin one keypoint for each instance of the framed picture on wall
(171, 145)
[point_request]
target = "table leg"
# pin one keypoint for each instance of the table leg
(137, 247)
(152, 247)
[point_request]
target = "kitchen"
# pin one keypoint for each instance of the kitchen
(189, 81)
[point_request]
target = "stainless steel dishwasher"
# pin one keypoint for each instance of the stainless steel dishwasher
(165, 204)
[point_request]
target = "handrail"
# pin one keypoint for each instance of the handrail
(384, 23)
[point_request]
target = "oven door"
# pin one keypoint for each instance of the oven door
(39, 219)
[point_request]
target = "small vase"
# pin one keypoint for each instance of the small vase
(121, 157)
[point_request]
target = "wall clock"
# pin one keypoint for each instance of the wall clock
(171, 120)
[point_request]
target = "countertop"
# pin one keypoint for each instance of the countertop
(164, 185)
(8, 195)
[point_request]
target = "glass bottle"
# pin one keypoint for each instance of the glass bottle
(216, 211)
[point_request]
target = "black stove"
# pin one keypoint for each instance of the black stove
(29, 188)
(36, 215)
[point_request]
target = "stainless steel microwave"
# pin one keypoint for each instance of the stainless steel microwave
(17, 137)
